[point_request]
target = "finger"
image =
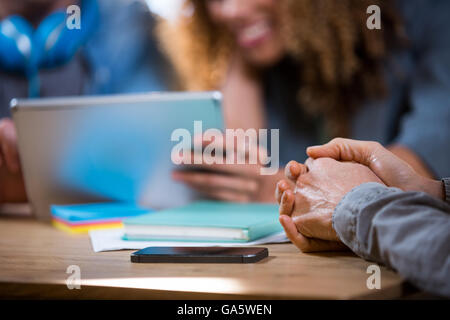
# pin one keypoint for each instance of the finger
(245, 149)
(381, 161)
(308, 244)
(281, 187)
(221, 141)
(290, 229)
(315, 225)
(8, 146)
(287, 203)
(294, 170)
(213, 180)
(345, 150)
(215, 164)
(213, 141)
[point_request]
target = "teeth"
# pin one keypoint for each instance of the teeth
(255, 31)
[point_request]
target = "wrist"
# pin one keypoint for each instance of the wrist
(434, 188)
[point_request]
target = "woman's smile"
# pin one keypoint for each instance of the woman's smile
(254, 34)
(254, 26)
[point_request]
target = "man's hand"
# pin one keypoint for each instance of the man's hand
(393, 171)
(320, 186)
(12, 187)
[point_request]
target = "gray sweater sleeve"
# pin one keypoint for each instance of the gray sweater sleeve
(446, 182)
(406, 231)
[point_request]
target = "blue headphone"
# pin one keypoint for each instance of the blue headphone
(27, 50)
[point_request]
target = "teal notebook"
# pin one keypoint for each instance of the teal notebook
(208, 221)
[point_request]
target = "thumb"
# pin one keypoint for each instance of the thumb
(346, 150)
(387, 166)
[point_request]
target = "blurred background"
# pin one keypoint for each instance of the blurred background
(311, 68)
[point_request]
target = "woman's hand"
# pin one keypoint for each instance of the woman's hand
(229, 182)
(9, 156)
(12, 188)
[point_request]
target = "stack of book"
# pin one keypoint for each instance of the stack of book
(206, 221)
(81, 218)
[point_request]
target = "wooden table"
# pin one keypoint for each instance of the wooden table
(34, 258)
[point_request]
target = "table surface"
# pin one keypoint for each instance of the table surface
(34, 258)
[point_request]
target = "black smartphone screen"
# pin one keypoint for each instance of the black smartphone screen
(199, 255)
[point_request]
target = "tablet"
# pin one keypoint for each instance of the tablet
(107, 148)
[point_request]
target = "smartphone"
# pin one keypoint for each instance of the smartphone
(199, 255)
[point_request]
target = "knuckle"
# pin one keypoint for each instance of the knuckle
(375, 144)
(320, 161)
(337, 140)
(323, 163)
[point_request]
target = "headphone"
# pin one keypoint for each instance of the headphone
(26, 50)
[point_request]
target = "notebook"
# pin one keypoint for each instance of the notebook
(207, 221)
(80, 218)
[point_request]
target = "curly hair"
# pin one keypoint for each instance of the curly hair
(340, 60)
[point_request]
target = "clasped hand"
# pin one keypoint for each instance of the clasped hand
(332, 171)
